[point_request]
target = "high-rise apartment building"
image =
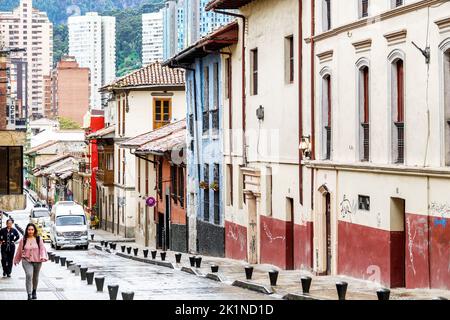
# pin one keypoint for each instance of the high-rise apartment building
(173, 31)
(31, 30)
(92, 41)
(152, 37)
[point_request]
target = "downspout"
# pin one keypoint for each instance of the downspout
(300, 97)
(313, 127)
(244, 99)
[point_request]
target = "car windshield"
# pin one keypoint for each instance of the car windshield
(20, 216)
(70, 221)
(41, 214)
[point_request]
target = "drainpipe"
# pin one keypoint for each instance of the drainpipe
(313, 127)
(244, 98)
(300, 97)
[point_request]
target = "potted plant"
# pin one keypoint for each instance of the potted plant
(214, 186)
(204, 185)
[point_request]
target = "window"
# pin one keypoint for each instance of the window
(326, 117)
(206, 192)
(160, 178)
(118, 166)
(364, 134)
(363, 203)
(447, 105)
(181, 186)
(289, 59)
(124, 107)
(173, 177)
(363, 8)
(146, 178)
(216, 85)
(162, 112)
(396, 3)
(326, 15)
(254, 73)
(398, 112)
(11, 168)
(217, 194)
(206, 89)
(139, 175)
(228, 78)
(229, 184)
(118, 117)
(123, 166)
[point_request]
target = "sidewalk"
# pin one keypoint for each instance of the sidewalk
(102, 235)
(322, 287)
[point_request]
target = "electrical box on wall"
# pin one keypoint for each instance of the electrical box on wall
(260, 113)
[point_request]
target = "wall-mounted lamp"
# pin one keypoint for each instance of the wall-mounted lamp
(305, 147)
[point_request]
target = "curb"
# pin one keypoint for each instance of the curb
(252, 286)
(98, 247)
(144, 260)
(214, 277)
(302, 296)
(189, 270)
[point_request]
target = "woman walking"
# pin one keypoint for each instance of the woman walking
(32, 253)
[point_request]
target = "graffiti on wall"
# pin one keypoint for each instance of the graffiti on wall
(269, 234)
(347, 207)
(235, 233)
(410, 244)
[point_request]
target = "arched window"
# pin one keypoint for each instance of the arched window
(326, 15)
(446, 94)
(364, 113)
(397, 90)
(326, 124)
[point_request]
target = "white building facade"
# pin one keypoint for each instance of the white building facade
(30, 29)
(152, 37)
(92, 41)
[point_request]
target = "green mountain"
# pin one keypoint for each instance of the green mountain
(128, 24)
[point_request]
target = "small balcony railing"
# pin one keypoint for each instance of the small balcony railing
(366, 141)
(400, 142)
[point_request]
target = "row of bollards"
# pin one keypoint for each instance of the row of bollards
(88, 276)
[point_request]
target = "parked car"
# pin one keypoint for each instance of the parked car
(40, 216)
(69, 226)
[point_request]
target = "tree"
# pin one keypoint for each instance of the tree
(67, 124)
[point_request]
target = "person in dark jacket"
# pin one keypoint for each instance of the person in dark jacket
(8, 237)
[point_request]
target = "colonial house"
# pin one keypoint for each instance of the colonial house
(380, 140)
(145, 100)
(104, 140)
(205, 63)
(264, 208)
(161, 186)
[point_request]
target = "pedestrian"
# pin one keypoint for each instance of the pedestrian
(8, 237)
(32, 253)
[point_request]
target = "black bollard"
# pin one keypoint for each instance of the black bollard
(102, 243)
(123, 248)
(163, 256)
(135, 250)
(128, 295)
(248, 272)
(113, 290)
(306, 283)
(114, 246)
(106, 244)
(92, 237)
(56, 259)
(198, 262)
(177, 257)
(90, 277)
(69, 263)
(111, 245)
(154, 252)
(51, 257)
(63, 261)
(273, 275)
(128, 250)
(83, 272)
(214, 268)
(341, 288)
(145, 251)
(192, 261)
(383, 294)
(99, 282)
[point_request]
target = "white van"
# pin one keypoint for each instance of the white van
(69, 226)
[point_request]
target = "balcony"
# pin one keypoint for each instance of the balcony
(106, 177)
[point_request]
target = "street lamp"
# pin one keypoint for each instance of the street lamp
(305, 146)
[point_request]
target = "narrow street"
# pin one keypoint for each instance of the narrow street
(148, 282)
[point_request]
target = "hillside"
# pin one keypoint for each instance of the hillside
(128, 24)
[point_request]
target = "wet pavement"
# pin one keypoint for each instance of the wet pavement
(148, 282)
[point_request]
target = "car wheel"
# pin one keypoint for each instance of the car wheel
(57, 247)
(52, 245)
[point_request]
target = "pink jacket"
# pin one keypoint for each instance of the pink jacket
(32, 252)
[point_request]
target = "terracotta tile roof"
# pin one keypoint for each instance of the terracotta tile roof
(102, 132)
(175, 140)
(153, 74)
(226, 4)
(41, 146)
(53, 160)
(160, 133)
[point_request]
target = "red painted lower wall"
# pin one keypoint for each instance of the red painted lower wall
(419, 257)
(303, 243)
(275, 240)
(235, 241)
